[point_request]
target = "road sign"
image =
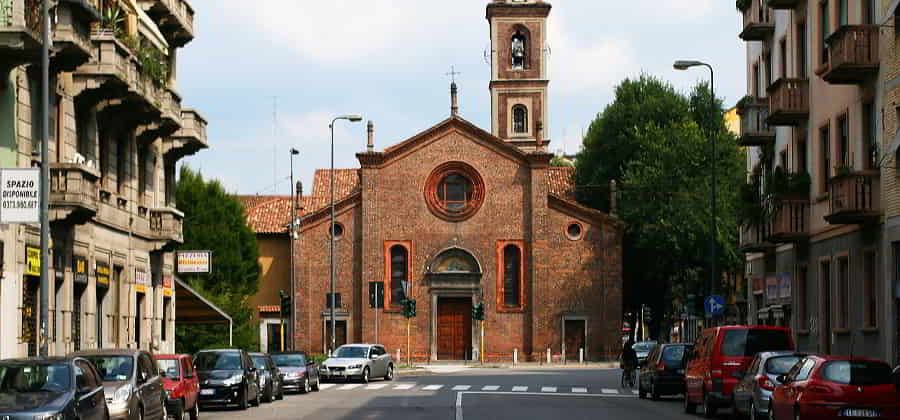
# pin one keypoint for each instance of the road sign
(714, 305)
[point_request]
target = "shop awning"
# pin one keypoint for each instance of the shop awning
(191, 308)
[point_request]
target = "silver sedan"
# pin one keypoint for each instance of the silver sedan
(754, 391)
(358, 361)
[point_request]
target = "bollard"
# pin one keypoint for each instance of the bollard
(581, 355)
(515, 356)
(548, 356)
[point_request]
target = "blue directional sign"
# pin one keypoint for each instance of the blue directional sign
(714, 305)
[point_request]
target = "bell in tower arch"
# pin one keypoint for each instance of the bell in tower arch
(518, 51)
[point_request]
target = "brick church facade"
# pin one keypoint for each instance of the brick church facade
(455, 216)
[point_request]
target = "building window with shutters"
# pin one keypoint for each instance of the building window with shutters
(397, 268)
(510, 276)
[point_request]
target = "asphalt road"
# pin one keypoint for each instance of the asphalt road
(472, 394)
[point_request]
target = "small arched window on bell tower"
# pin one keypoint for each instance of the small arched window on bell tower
(519, 50)
(520, 119)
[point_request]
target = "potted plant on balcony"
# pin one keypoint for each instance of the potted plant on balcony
(841, 171)
(783, 185)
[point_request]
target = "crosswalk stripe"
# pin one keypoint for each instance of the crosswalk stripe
(490, 387)
(579, 390)
(349, 387)
(462, 387)
(404, 386)
(635, 392)
(432, 387)
(376, 386)
(520, 389)
(548, 389)
(609, 391)
(325, 386)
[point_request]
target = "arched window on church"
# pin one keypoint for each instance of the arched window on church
(512, 275)
(519, 50)
(399, 266)
(520, 119)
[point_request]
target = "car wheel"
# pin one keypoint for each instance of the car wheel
(365, 375)
(708, 410)
(195, 412)
(315, 386)
(654, 393)
(689, 407)
(305, 388)
(245, 395)
(178, 410)
(270, 393)
(389, 376)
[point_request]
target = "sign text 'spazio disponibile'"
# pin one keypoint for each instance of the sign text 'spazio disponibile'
(20, 194)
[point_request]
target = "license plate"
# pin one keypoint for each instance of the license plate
(860, 412)
(207, 391)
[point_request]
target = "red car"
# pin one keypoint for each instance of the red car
(182, 385)
(836, 387)
(720, 356)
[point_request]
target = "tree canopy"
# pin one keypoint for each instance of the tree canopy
(654, 142)
(215, 220)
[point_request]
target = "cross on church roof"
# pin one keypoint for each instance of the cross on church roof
(453, 73)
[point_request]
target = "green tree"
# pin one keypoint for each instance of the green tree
(655, 143)
(215, 220)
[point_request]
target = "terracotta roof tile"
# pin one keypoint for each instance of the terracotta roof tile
(562, 181)
(267, 309)
(345, 182)
(267, 214)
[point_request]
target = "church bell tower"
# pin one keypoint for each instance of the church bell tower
(519, 69)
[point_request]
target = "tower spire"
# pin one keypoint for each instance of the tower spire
(454, 99)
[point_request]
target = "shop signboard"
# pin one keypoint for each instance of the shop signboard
(141, 280)
(32, 261)
(102, 273)
(79, 270)
(194, 262)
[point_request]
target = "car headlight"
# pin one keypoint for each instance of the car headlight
(123, 393)
(234, 380)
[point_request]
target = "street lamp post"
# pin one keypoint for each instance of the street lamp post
(684, 65)
(351, 118)
(291, 235)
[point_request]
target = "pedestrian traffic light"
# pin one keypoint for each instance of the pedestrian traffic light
(285, 304)
(478, 312)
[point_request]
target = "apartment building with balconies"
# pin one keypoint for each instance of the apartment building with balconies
(890, 170)
(812, 124)
(117, 129)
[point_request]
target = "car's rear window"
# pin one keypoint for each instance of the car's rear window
(673, 355)
(780, 365)
(289, 360)
(857, 372)
(748, 342)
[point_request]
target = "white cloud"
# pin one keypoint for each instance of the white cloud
(586, 67)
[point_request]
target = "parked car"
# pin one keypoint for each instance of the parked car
(719, 356)
(358, 361)
(754, 391)
(182, 386)
(662, 372)
(134, 389)
(836, 387)
(270, 377)
(227, 377)
(51, 388)
(300, 373)
(642, 349)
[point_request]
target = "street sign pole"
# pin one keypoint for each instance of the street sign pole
(377, 304)
(45, 178)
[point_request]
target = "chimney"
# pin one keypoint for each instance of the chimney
(370, 144)
(539, 140)
(454, 100)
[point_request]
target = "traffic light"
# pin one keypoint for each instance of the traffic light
(478, 312)
(285, 304)
(648, 314)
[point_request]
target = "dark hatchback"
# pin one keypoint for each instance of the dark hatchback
(227, 377)
(662, 373)
(270, 377)
(300, 373)
(51, 388)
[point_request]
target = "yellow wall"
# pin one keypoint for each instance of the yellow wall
(733, 121)
(275, 265)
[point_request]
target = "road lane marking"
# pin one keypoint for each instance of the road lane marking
(376, 386)
(579, 390)
(325, 386)
(349, 387)
(461, 387)
(609, 391)
(548, 389)
(490, 387)
(635, 392)
(404, 386)
(520, 388)
(432, 387)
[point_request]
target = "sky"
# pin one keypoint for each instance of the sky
(269, 75)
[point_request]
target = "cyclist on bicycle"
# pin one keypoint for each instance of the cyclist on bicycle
(629, 360)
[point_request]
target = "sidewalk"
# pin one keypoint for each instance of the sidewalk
(445, 367)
